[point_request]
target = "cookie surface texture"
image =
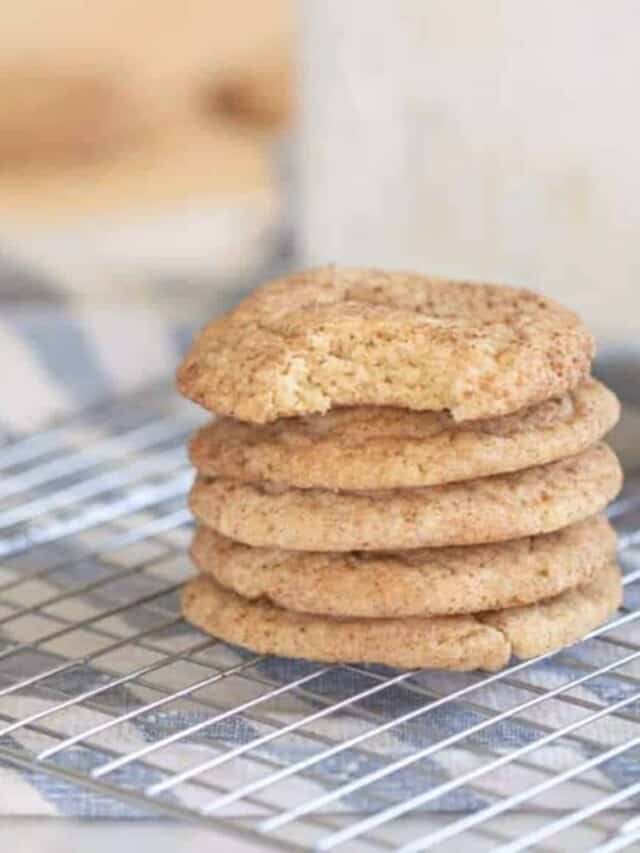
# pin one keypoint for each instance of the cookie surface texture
(332, 337)
(445, 642)
(540, 628)
(490, 509)
(427, 582)
(383, 448)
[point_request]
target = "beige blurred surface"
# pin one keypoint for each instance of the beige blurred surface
(166, 54)
(495, 141)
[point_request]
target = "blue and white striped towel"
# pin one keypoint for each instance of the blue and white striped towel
(59, 356)
(61, 352)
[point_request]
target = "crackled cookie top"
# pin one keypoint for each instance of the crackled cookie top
(421, 582)
(449, 642)
(370, 447)
(331, 337)
(490, 509)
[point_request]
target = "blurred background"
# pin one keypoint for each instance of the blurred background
(159, 160)
(127, 130)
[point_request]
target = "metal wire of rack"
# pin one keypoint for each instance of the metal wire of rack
(103, 688)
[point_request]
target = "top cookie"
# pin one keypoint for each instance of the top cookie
(331, 337)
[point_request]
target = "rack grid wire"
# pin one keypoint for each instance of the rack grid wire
(105, 689)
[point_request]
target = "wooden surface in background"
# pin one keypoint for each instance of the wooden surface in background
(167, 53)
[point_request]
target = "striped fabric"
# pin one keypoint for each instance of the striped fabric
(60, 355)
(91, 313)
(60, 358)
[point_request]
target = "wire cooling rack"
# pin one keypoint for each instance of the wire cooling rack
(108, 698)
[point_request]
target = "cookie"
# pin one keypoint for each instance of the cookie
(385, 448)
(423, 582)
(332, 337)
(539, 628)
(491, 509)
(445, 642)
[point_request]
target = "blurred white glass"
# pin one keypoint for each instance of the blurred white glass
(498, 140)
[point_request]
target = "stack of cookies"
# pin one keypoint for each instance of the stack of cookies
(405, 471)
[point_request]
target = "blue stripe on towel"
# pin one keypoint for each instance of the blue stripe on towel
(183, 335)
(21, 283)
(63, 348)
